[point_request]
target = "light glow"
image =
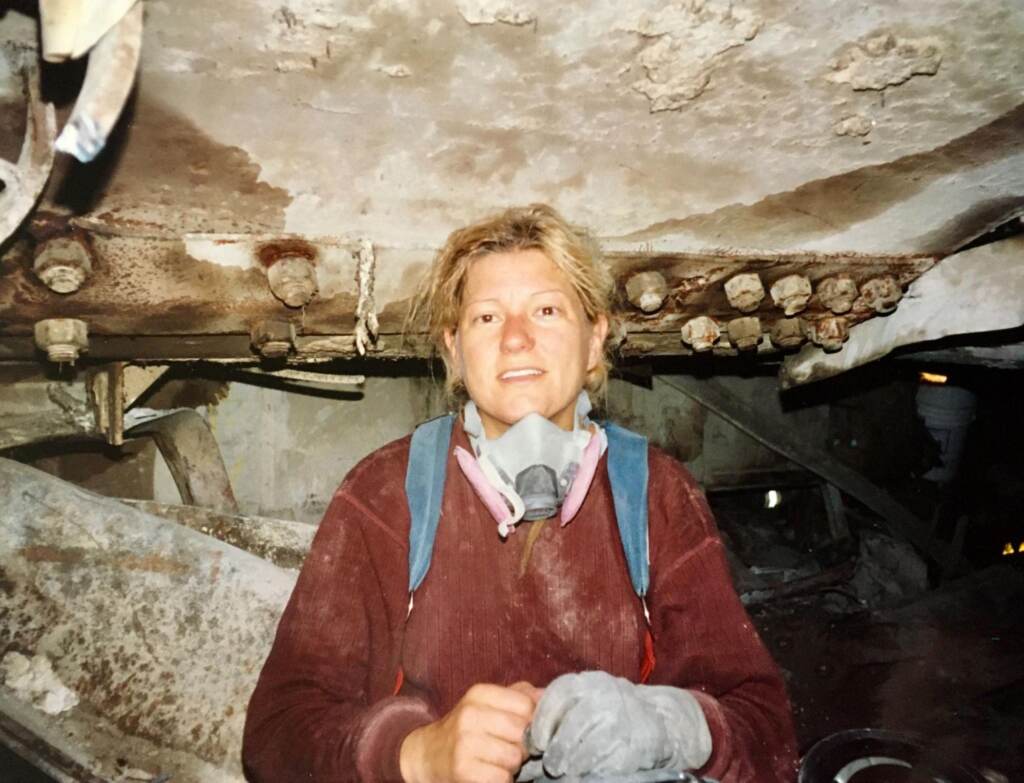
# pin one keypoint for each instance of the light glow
(772, 498)
(933, 377)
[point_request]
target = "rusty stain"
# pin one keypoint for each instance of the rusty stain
(49, 554)
(162, 153)
(129, 561)
(269, 253)
(151, 563)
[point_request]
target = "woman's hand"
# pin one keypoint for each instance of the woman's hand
(479, 741)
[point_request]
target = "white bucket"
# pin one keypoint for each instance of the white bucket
(947, 412)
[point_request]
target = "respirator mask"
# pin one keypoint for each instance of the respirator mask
(535, 467)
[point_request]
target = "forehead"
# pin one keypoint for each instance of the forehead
(512, 273)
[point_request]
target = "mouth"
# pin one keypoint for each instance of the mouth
(526, 373)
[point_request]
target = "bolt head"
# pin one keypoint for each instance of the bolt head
(745, 291)
(63, 339)
(881, 294)
(787, 333)
(62, 279)
(838, 293)
(792, 293)
(647, 291)
(829, 332)
(701, 333)
(293, 281)
(745, 333)
(62, 264)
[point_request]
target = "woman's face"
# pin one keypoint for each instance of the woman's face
(523, 343)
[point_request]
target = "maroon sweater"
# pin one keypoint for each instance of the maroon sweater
(323, 708)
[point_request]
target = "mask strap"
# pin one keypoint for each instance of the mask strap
(493, 498)
(584, 477)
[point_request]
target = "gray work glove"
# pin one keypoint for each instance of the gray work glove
(592, 723)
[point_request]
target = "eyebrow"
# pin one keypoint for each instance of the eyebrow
(535, 293)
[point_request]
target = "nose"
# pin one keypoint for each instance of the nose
(516, 334)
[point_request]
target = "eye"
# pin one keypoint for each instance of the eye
(547, 311)
(484, 318)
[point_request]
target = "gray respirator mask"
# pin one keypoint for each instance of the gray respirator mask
(534, 463)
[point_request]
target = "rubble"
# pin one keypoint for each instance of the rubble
(33, 680)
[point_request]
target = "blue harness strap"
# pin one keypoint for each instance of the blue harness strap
(424, 491)
(627, 471)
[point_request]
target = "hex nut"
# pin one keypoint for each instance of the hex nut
(62, 264)
(701, 333)
(272, 339)
(838, 293)
(745, 291)
(647, 291)
(829, 332)
(293, 280)
(787, 333)
(745, 333)
(881, 294)
(63, 339)
(791, 293)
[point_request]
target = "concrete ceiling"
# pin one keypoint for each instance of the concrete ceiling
(696, 138)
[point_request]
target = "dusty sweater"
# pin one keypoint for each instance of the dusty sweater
(324, 710)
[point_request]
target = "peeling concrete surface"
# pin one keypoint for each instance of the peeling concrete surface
(493, 114)
(885, 61)
(493, 11)
(684, 39)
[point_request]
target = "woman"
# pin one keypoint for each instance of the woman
(363, 683)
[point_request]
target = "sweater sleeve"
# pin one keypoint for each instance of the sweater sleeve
(706, 643)
(321, 710)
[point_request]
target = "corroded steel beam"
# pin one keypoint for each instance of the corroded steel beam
(212, 296)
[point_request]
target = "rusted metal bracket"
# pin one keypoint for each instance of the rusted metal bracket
(106, 390)
(193, 457)
(113, 389)
(767, 426)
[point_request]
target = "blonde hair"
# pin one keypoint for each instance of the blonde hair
(533, 227)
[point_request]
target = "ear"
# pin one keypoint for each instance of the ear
(451, 343)
(597, 338)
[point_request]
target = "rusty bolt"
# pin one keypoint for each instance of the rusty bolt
(272, 339)
(293, 280)
(701, 333)
(745, 291)
(829, 332)
(881, 294)
(647, 291)
(745, 333)
(837, 293)
(787, 333)
(791, 293)
(63, 339)
(62, 264)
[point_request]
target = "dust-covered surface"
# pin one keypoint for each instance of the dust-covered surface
(709, 137)
(158, 630)
(279, 541)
